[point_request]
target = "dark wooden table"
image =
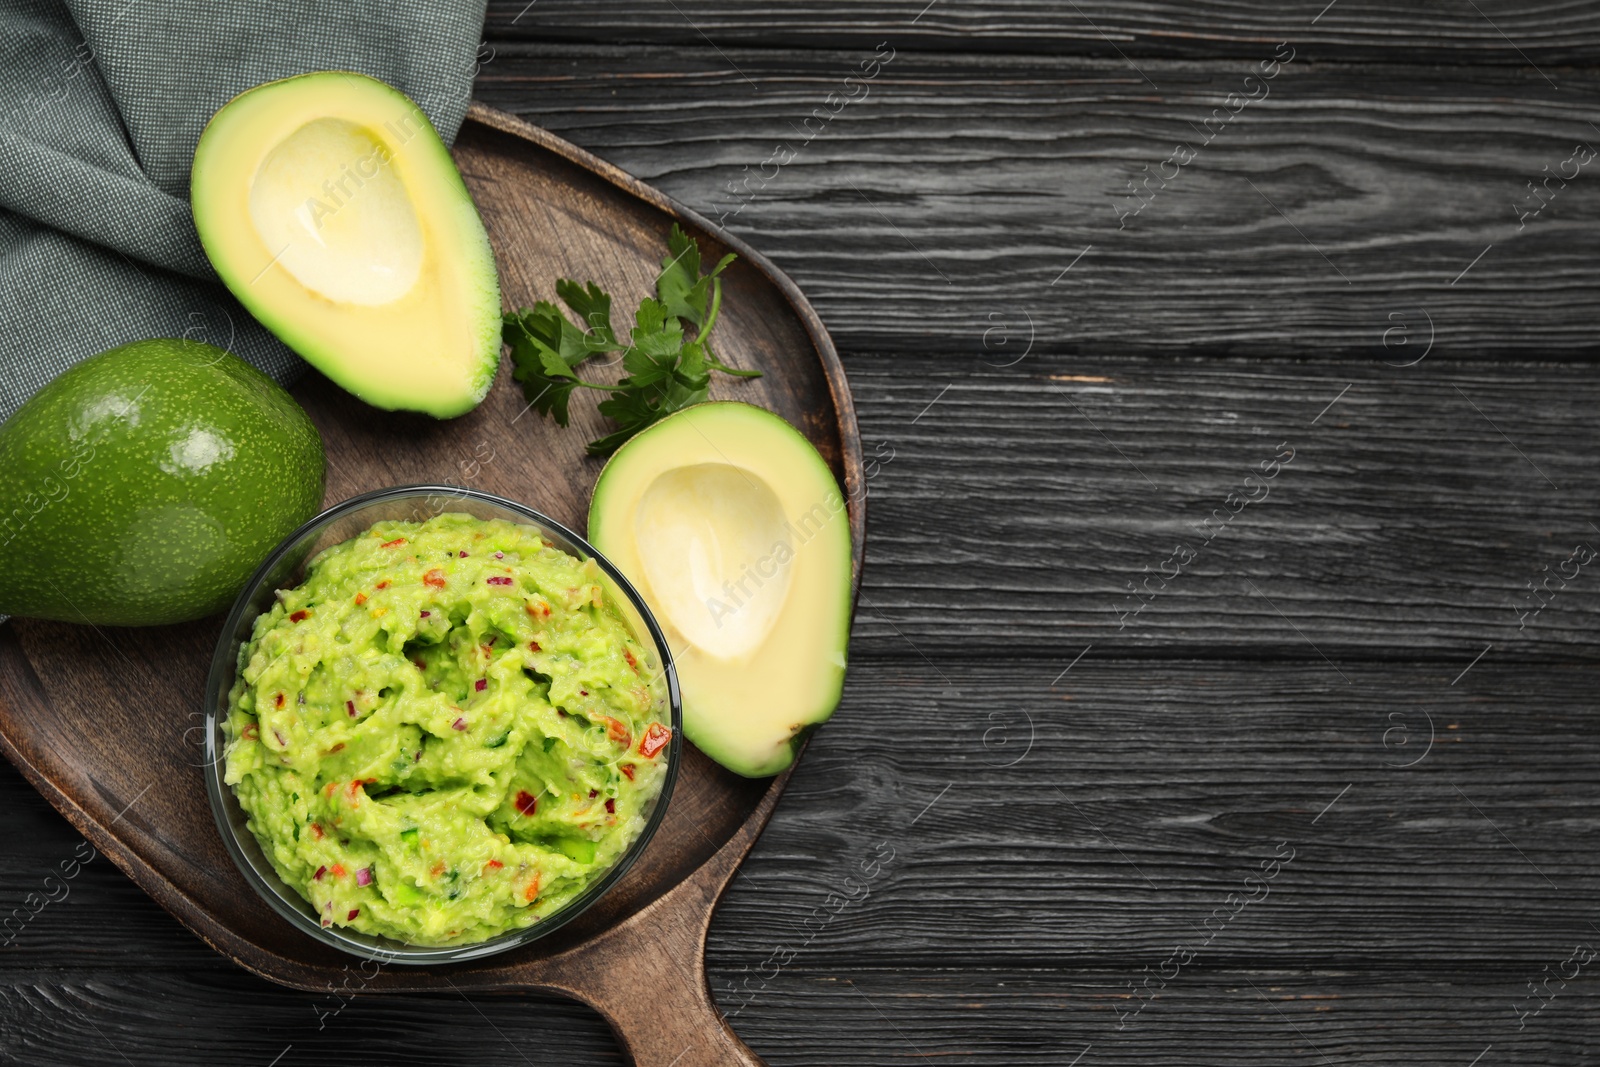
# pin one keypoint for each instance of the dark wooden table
(1223, 689)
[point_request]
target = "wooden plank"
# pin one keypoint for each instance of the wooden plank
(1498, 33)
(1028, 815)
(1249, 1018)
(958, 192)
(1012, 507)
(219, 1014)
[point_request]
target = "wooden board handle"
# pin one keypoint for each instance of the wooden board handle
(647, 977)
(662, 1013)
(647, 974)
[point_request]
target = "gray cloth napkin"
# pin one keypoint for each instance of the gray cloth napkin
(101, 103)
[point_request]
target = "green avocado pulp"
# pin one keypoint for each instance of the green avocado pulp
(446, 732)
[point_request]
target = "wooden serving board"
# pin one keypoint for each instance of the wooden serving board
(106, 723)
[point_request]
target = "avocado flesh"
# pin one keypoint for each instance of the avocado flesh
(145, 485)
(734, 531)
(331, 209)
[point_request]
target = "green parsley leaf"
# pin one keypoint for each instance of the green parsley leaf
(535, 336)
(665, 370)
(592, 305)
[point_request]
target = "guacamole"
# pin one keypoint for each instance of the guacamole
(446, 732)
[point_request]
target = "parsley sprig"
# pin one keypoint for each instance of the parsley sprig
(667, 370)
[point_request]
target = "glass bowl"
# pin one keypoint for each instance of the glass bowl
(284, 569)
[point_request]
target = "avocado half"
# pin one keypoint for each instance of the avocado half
(733, 529)
(331, 209)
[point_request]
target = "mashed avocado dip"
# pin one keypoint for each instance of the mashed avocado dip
(446, 732)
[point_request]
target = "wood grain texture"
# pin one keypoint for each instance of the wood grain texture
(1096, 818)
(1252, 1018)
(1015, 924)
(1015, 506)
(958, 192)
(1566, 32)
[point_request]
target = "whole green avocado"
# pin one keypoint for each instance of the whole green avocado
(144, 485)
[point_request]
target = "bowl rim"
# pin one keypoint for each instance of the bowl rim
(286, 901)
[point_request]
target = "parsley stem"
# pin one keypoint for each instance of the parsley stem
(711, 316)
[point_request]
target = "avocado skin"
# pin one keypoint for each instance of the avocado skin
(144, 485)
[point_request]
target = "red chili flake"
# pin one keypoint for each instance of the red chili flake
(535, 646)
(355, 786)
(279, 700)
(350, 706)
(627, 769)
(481, 684)
(533, 889)
(583, 692)
(300, 616)
(611, 806)
(617, 730)
(493, 865)
(250, 732)
(425, 614)
(361, 598)
(655, 739)
(316, 831)
(459, 724)
(498, 580)
(434, 578)
(337, 870)
(526, 802)
(540, 610)
(627, 655)
(353, 913)
(336, 748)
(391, 544)
(437, 869)
(331, 787)
(382, 585)
(320, 872)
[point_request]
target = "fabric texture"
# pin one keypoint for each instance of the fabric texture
(101, 103)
